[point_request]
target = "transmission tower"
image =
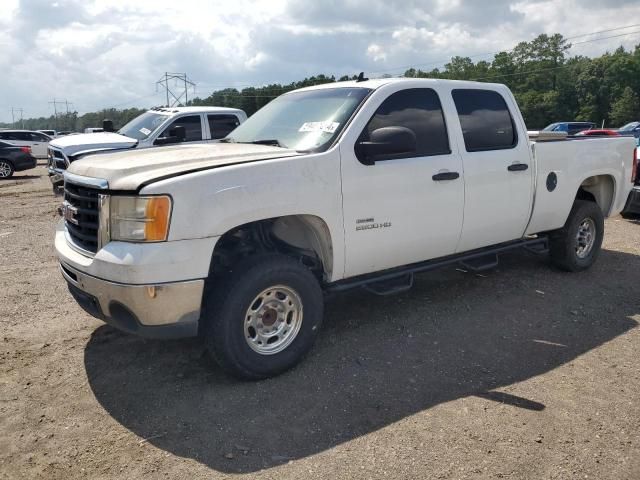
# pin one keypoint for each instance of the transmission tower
(13, 116)
(180, 88)
(66, 104)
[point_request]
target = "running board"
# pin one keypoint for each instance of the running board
(400, 279)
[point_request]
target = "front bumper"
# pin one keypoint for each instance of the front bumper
(167, 310)
(633, 202)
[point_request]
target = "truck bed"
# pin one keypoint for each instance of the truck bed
(568, 159)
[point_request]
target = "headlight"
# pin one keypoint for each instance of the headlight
(140, 219)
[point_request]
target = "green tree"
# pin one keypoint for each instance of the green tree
(626, 108)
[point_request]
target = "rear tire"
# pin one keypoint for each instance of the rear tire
(575, 247)
(6, 169)
(263, 317)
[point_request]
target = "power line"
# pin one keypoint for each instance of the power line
(439, 62)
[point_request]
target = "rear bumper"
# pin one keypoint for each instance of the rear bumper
(168, 310)
(25, 164)
(633, 202)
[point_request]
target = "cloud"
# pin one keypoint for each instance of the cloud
(101, 53)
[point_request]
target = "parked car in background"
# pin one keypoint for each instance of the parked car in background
(632, 128)
(50, 133)
(598, 132)
(93, 130)
(65, 132)
(155, 127)
(15, 159)
(570, 128)
(26, 138)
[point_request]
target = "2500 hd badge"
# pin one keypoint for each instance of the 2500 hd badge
(369, 224)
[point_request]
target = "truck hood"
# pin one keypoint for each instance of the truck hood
(129, 170)
(74, 144)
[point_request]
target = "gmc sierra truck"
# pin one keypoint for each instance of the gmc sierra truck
(155, 127)
(357, 184)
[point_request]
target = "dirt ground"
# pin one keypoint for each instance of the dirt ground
(523, 373)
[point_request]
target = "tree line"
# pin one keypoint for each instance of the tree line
(548, 84)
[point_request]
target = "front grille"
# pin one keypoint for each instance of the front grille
(85, 200)
(57, 159)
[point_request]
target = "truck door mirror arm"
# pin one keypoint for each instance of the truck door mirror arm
(384, 143)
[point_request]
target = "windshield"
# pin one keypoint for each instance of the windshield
(629, 126)
(143, 126)
(307, 120)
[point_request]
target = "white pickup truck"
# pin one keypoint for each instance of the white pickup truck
(354, 184)
(155, 127)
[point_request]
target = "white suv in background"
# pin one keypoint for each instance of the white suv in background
(26, 138)
(155, 127)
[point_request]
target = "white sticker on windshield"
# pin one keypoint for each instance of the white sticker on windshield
(325, 127)
(146, 131)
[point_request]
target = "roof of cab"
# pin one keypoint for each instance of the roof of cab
(196, 110)
(379, 82)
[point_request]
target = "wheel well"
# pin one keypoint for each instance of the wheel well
(598, 189)
(304, 237)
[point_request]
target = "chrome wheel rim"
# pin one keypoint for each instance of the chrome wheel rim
(5, 170)
(585, 238)
(273, 320)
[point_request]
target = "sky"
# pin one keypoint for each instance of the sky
(110, 53)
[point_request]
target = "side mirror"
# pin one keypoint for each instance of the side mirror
(176, 135)
(107, 125)
(386, 141)
(179, 132)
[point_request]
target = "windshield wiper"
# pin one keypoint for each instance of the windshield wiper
(227, 140)
(271, 141)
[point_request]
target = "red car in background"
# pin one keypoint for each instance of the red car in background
(599, 132)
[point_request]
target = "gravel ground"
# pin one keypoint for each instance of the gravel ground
(524, 372)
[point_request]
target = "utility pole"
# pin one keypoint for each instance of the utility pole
(176, 94)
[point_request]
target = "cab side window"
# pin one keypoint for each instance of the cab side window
(485, 120)
(39, 137)
(419, 110)
(222, 125)
(192, 126)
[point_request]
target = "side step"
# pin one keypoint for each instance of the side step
(391, 286)
(481, 264)
(399, 279)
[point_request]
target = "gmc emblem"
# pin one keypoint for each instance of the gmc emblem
(69, 213)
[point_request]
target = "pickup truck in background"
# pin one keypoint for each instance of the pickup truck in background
(358, 184)
(158, 126)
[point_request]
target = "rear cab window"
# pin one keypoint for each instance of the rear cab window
(485, 119)
(221, 125)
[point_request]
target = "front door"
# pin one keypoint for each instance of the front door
(497, 170)
(402, 208)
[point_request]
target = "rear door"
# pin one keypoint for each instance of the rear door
(402, 208)
(497, 169)
(221, 125)
(39, 143)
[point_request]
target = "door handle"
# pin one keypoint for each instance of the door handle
(517, 167)
(438, 177)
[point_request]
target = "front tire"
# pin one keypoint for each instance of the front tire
(6, 169)
(263, 317)
(575, 247)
